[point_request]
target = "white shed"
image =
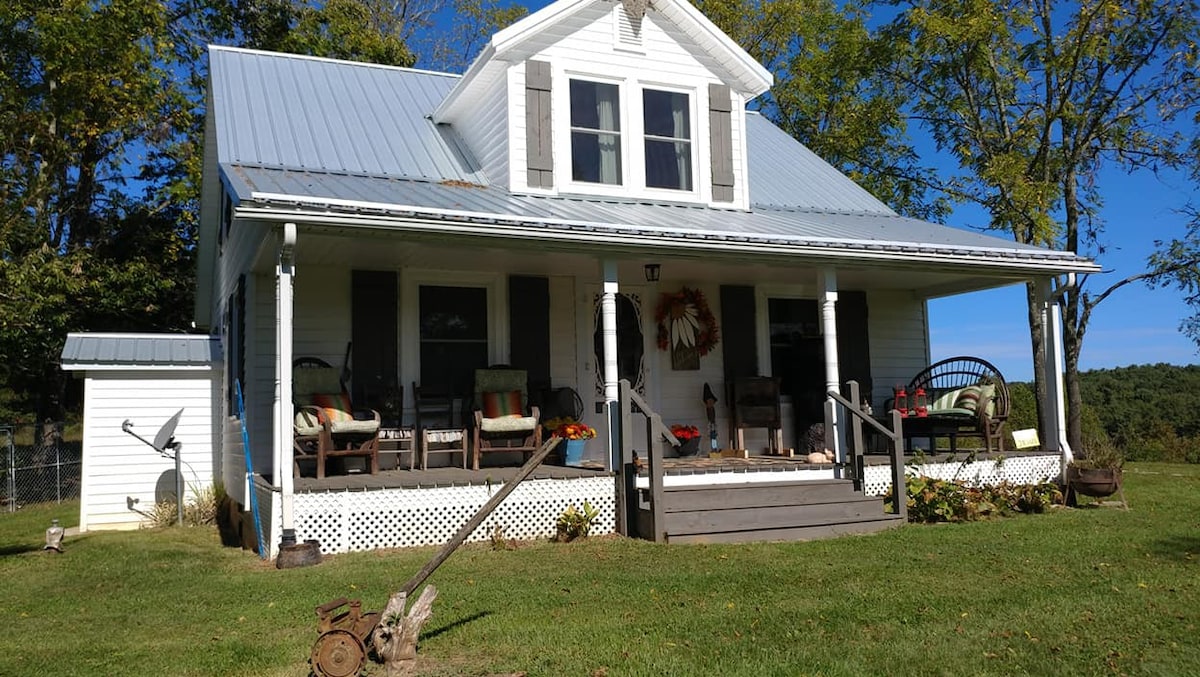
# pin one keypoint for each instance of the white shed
(143, 378)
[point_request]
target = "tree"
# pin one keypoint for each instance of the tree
(473, 23)
(1033, 98)
(83, 93)
(834, 93)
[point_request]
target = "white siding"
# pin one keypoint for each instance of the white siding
(899, 340)
(585, 46)
(260, 371)
(120, 474)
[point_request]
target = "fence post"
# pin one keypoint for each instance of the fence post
(10, 481)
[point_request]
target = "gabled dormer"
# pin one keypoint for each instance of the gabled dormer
(638, 99)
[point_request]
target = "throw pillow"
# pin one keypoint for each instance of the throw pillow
(334, 406)
(968, 398)
(499, 405)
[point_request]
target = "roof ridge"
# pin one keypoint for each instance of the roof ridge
(330, 60)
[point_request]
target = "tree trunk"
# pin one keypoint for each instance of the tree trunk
(395, 638)
(1072, 318)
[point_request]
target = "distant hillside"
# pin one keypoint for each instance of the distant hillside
(1151, 412)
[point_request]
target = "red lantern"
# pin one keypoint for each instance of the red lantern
(900, 401)
(920, 403)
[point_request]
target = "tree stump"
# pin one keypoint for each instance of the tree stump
(395, 638)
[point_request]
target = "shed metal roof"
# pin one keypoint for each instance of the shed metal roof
(139, 351)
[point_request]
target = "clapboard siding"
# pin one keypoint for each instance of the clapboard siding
(899, 340)
(118, 470)
(260, 397)
(680, 393)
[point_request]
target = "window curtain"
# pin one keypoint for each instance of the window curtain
(610, 144)
(683, 156)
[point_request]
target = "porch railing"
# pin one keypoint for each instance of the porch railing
(857, 416)
(628, 500)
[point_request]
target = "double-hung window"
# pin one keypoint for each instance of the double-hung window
(667, 126)
(595, 132)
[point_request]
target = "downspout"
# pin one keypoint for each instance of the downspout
(834, 435)
(284, 271)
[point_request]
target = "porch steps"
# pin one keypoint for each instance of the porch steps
(768, 511)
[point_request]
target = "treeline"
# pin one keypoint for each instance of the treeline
(1150, 412)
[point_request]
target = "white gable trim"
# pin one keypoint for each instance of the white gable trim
(745, 74)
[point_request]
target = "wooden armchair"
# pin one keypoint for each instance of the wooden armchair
(504, 419)
(326, 425)
(754, 402)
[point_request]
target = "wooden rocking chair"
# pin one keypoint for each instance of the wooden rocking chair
(326, 424)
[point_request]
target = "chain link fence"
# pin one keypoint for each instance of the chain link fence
(39, 466)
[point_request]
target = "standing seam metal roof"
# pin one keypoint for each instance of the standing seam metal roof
(82, 351)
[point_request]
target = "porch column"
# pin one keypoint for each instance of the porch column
(608, 331)
(834, 435)
(1054, 410)
(284, 270)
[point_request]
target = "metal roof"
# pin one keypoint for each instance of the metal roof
(286, 190)
(301, 134)
(133, 351)
(785, 173)
(300, 112)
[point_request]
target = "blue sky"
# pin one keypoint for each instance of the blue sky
(1136, 325)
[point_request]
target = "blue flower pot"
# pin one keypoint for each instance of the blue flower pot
(574, 453)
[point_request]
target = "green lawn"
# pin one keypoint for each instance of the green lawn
(1072, 592)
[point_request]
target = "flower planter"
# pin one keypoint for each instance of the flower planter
(574, 452)
(1094, 482)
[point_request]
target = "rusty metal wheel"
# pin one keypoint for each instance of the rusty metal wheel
(337, 653)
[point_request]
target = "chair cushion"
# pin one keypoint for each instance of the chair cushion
(444, 436)
(353, 426)
(508, 424)
(504, 404)
(307, 424)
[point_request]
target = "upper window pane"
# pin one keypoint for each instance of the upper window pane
(667, 124)
(595, 132)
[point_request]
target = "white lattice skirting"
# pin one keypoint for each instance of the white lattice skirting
(348, 521)
(1017, 470)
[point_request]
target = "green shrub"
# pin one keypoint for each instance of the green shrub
(934, 500)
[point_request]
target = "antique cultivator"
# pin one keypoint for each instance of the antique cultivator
(346, 636)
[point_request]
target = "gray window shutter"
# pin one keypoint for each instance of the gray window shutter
(538, 155)
(720, 136)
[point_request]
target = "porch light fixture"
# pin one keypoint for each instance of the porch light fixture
(652, 271)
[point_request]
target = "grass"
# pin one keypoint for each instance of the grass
(1082, 592)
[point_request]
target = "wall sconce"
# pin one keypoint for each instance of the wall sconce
(652, 271)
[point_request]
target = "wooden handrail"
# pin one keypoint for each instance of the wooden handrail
(895, 433)
(656, 434)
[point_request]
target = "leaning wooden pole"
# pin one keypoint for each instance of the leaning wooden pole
(395, 638)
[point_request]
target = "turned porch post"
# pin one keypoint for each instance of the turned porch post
(834, 435)
(612, 389)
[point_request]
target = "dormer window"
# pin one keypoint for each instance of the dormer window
(667, 125)
(595, 132)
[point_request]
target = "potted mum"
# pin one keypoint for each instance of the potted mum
(576, 435)
(689, 439)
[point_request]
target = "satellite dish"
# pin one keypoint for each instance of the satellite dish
(165, 439)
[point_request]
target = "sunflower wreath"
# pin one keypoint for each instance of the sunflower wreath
(685, 319)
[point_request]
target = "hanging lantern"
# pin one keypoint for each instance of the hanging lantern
(920, 403)
(900, 401)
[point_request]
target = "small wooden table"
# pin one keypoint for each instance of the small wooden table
(934, 427)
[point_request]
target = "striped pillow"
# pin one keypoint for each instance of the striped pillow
(334, 407)
(499, 405)
(968, 398)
